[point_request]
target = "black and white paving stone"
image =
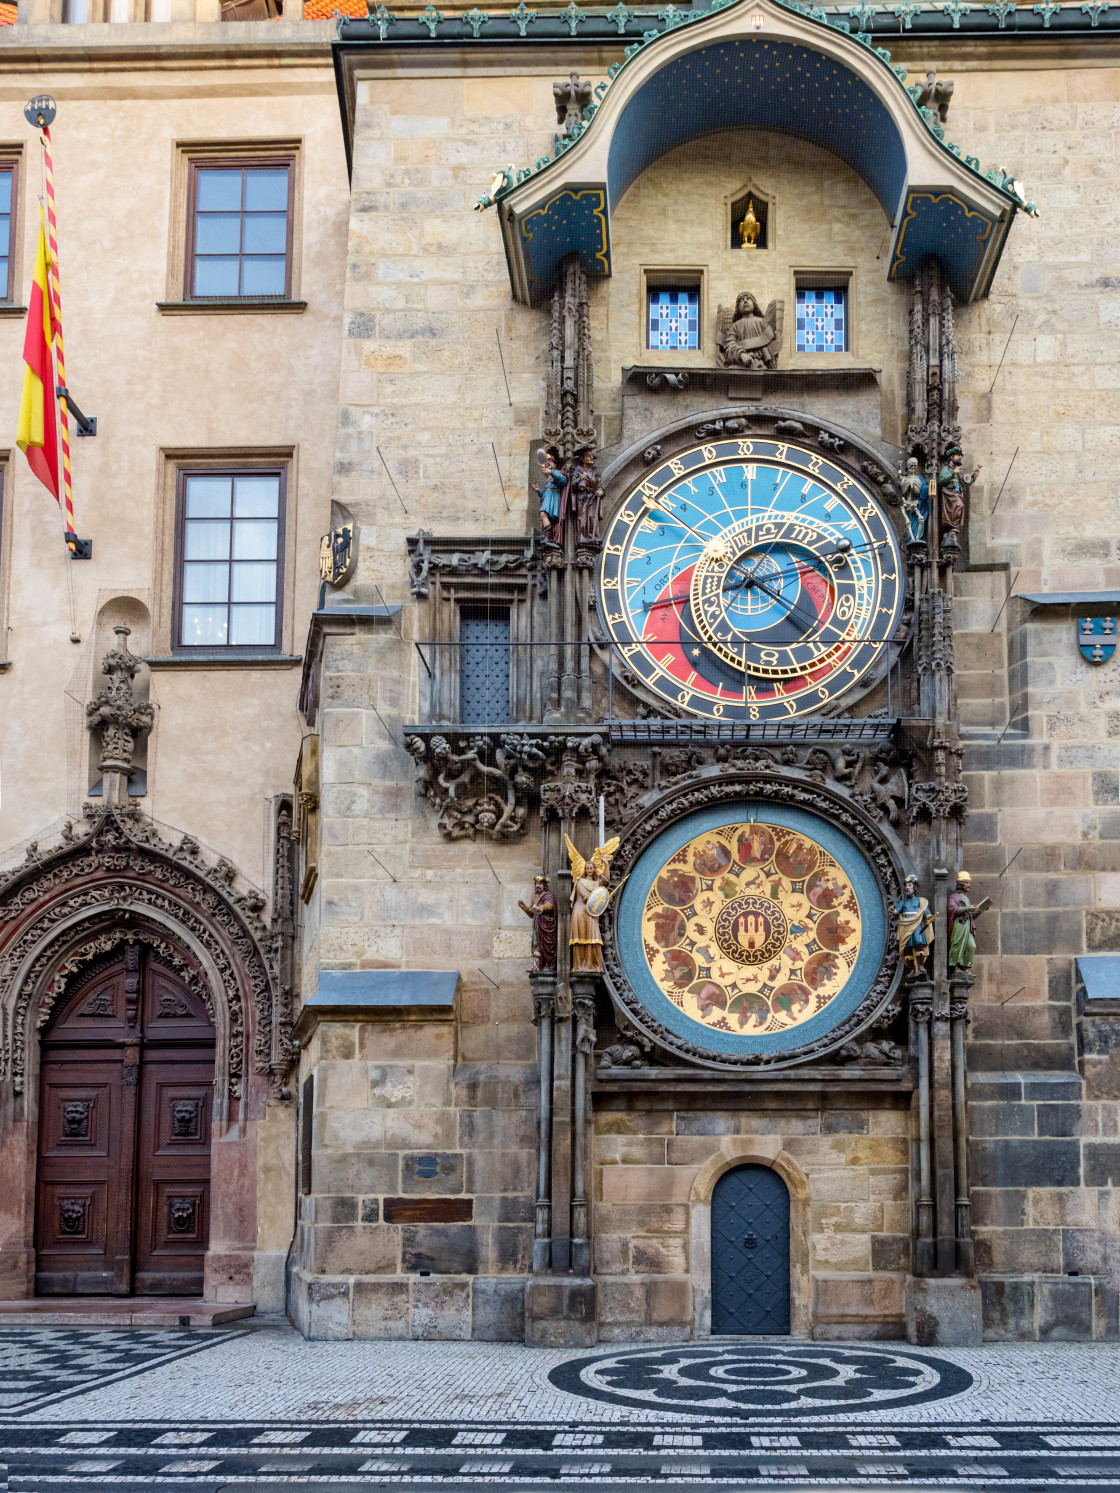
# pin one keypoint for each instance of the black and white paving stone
(42, 1365)
(248, 1411)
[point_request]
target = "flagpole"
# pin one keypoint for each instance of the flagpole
(56, 300)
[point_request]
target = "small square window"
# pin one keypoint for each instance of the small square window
(822, 320)
(673, 318)
(228, 576)
(239, 230)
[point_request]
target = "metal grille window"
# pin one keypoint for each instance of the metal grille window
(240, 230)
(230, 542)
(822, 320)
(7, 210)
(484, 638)
(674, 318)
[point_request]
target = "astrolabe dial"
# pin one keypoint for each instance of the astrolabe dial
(750, 580)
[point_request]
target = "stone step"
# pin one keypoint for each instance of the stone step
(121, 1311)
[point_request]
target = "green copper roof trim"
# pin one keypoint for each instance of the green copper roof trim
(933, 20)
(676, 21)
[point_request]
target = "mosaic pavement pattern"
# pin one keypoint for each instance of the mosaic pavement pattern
(262, 1409)
(42, 1365)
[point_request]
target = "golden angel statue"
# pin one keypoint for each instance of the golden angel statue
(590, 898)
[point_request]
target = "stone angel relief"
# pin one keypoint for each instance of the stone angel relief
(590, 899)
(745, 338)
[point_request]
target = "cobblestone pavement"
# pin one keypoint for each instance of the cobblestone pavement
(261, 1409)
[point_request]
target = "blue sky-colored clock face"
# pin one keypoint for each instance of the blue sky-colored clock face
(750, 580)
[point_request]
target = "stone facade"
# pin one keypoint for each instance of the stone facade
(164, 385)
(405, 1138)
(419, 296)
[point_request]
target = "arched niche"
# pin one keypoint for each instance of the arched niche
(764, 66)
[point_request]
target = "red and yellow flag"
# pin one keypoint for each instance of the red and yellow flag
(38, 423)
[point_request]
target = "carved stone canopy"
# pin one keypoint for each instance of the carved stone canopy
(119, 717)
(431, 557)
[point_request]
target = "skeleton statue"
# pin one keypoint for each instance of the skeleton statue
(915, 501)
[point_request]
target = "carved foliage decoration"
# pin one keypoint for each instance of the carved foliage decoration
(63, 908)
(431, 556)
(482, 784)
(874, 777)
(710, 787)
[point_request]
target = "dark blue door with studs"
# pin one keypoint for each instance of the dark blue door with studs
(750, 1251)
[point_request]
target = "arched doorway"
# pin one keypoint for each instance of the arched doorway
(126, 1103)
(750, 1251)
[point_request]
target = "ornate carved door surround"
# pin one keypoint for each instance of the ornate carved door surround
(109, 882)
(126, 1099)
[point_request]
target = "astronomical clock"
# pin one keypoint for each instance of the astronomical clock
(750, 580)
(742, 581)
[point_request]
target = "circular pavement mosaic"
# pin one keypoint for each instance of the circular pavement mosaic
(747, 1381)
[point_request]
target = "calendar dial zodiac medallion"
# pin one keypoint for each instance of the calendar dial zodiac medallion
(750, 580)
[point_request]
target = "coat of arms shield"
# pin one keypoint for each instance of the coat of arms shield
(337, 555)
(1096, 637)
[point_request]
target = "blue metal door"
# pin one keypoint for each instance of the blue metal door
(750, 1251)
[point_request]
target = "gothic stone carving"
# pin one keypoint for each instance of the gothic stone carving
(875, 777)
(936, 95)
(745, 338)
(939, 800)
(872, 1054)
(568, 417)
(119, 868)
(462, 557)
(118, 715)
(475, 797)
(482, 784)
(705, 791)
(572, 97)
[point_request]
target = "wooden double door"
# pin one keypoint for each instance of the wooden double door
(126, 1094)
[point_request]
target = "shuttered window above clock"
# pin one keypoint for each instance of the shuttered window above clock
(822, 320)
(673, 318)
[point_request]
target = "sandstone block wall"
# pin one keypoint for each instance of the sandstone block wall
(416, 1218)
(850, 1211)
(821, 218)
